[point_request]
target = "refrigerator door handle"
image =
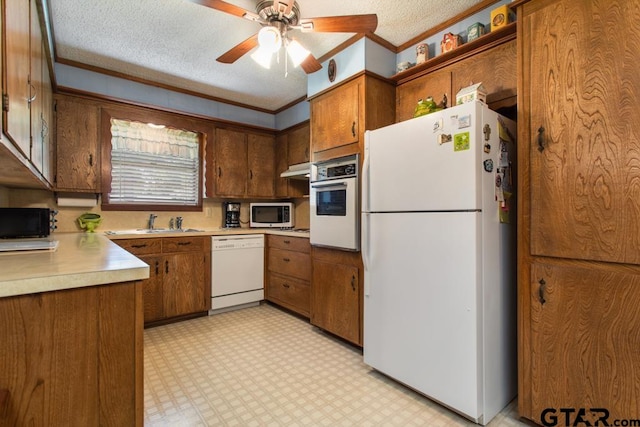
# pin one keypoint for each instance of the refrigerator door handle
(365, 175)
(365, 251)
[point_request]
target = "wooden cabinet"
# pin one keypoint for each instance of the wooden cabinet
(292, 148)
(579, 260)
(77, 146)
(340, 116)
(289, 272)
(336, 293)
(245, 164)
(179, 283)
(72, 357)
(27, 92)
(435, 84)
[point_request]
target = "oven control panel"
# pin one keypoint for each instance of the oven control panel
(343, 167)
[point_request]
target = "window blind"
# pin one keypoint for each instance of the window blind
(152, 165)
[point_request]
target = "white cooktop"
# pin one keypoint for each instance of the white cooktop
(34, 244)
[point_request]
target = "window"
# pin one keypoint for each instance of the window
(151, 166)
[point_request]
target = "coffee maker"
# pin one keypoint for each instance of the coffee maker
(231, 214)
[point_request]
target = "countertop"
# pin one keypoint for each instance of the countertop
(209, 232)
(89, 259)
(81, 259)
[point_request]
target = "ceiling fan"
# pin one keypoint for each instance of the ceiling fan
(277, 18)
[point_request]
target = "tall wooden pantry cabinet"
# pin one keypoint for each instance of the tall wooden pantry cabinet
(579, 209)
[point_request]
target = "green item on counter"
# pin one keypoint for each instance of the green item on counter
(425, 106)
(89, 221)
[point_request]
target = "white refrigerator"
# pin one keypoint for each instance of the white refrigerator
(438, 245)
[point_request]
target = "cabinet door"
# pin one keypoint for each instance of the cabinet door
(262, 165)
(184, 284)
(16, 114)
(152, 289)
(334, 117)
(583, 130)
(77, 161)
(298, 145)
(335, 304)
(281, 148)
(231, 161)
(585, 336)
(436, 84)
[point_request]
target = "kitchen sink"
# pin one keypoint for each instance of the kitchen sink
(154, 231)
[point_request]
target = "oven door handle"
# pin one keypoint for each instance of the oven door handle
(331, 185)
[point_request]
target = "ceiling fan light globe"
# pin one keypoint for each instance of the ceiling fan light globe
(262, 57)
(297, 52)
(269, 38)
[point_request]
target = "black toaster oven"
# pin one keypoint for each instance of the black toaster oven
(26, 222)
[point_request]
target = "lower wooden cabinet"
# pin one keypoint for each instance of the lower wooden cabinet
(336, 293)
(289, 272)
(72, 357)
(179, 282)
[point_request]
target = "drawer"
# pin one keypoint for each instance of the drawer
(300, 244)
(290, 263)
(289, 292)
(140, 246)
(184, 244)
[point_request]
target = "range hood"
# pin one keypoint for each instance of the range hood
(299, 171)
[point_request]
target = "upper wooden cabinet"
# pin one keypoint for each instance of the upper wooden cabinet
(77, 145)
(578, 204)
(292, 148)
(27, 102)
(340, 116)
(245, 164)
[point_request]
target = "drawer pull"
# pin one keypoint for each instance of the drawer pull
(157, 267)
(353, 282)
(287, 241)
(286, 285)
(184, 243)
(143, 245)
(286, 259)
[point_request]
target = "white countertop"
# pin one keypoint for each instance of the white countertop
(81, 259)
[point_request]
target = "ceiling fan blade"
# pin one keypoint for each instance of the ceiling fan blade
(229, 8)
(310, 65)
(233, 54)
(341, 24)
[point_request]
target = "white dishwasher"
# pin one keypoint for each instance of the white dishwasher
(237, 271)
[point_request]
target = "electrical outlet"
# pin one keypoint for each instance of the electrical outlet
(207, 212)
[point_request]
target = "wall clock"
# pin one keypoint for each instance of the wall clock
(331, 70)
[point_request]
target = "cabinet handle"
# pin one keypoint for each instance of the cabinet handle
(543, 286)
(353, 129)
(306, 153)
(353, 282)
(184, 243)
(286, 259)
(157, 267)
(540, 138)
(286, 285)
(219, 172)
(287, 241)
(90, 159)
(166, 267)
(143, 245)
(32, 88)
(250, 174)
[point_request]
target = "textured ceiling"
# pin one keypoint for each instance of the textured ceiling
(176, 42)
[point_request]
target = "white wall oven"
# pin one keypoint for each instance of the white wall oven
(333, 201)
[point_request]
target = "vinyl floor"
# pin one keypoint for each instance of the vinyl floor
(261, 366)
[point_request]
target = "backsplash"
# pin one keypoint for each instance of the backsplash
(210, 217)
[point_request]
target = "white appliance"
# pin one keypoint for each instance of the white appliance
(440, 285)
(271, 214)
(334, 212)
(237, 271)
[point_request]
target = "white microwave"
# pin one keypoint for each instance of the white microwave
(272, 215)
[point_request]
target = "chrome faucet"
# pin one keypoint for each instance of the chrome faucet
(179, 222)
(152, 219)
